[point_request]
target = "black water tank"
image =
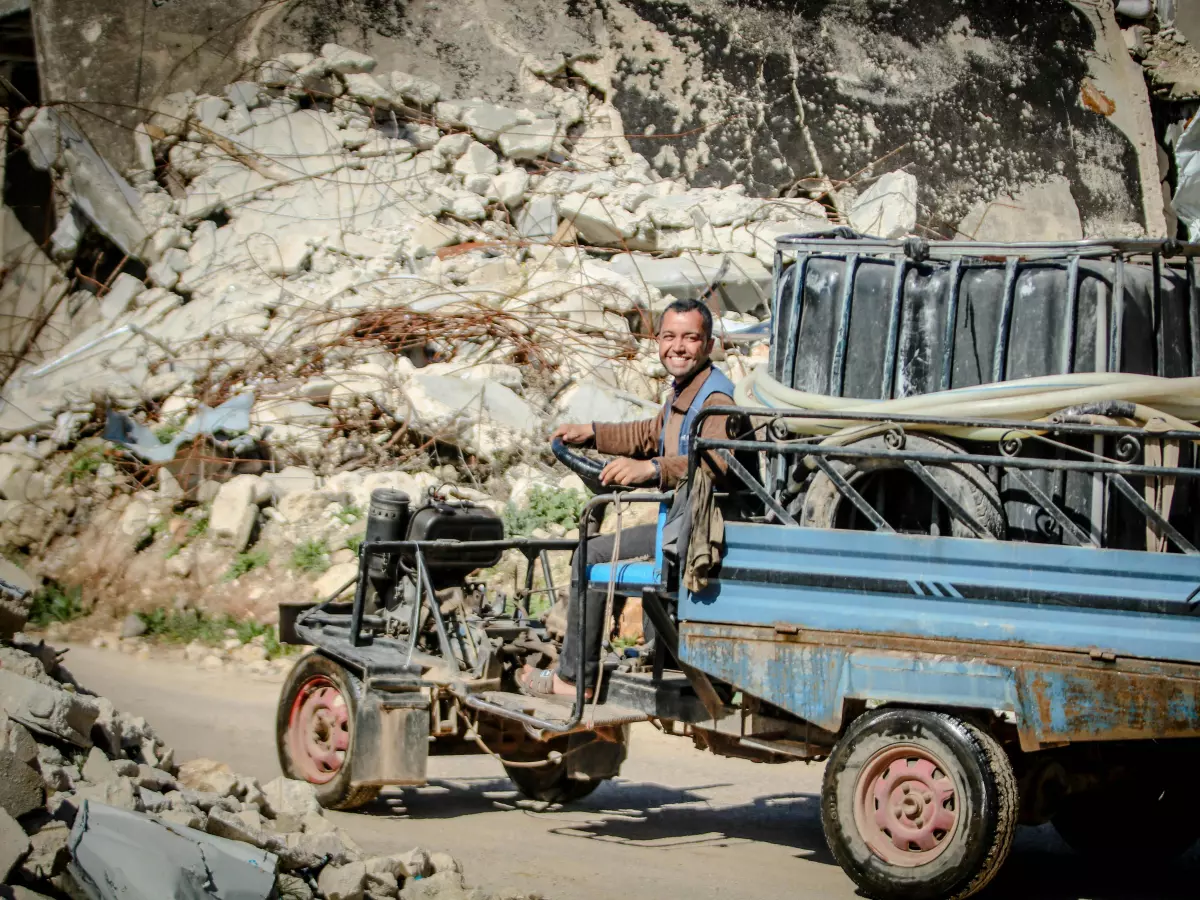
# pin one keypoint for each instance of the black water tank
(864, 318)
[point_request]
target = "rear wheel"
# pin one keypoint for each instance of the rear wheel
(314, 731)
(918, 804)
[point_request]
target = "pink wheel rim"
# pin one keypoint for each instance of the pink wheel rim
(318, 730)
(906, 805)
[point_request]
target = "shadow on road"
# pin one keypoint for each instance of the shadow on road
(642, 814)
(654, 816)
(1042, 867)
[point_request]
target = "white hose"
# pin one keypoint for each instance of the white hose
(1174, 400)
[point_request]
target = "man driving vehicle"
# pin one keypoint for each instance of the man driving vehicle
(651, 453)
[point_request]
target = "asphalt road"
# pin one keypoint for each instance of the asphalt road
(678, 823)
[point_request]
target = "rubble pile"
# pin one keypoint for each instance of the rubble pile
(80, 781)
(324, 233)
(333, 279)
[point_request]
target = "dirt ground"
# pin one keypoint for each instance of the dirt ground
(677, 823)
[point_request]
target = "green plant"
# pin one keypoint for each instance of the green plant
(311, 556)
(166, 431)
(172, 551)
(247, 562)
(185, 626)
(349, 514)
(354, 542)
(546, 506)
(199, 527)
(54, 603)
(85, 462)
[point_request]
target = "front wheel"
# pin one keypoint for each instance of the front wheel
(918, 804)
(314, 731)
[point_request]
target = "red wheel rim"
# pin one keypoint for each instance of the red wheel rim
(906, 805)
(318, 730)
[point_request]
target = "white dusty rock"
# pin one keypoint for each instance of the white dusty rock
(207, 775)
(288, 796)
(343, 882)
(235, 511)
(888, 208)
(346, 61)
(334, 577)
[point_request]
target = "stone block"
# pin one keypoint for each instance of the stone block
(529, 142)
(207, 776)
(888, 208)
(287, 795)
(234, 512)
(343, 882)
(120, 792)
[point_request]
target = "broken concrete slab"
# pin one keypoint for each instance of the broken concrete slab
(1037, 212)
(888, 208)
(234, 512)
(110, 848)
(48, 710)
(743, 283)
(529, 142)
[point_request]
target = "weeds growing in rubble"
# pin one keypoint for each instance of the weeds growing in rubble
(354, 542)
(85, 462)
(547, 506)
(54, 603)
(199, 527)
(311, 556)
(174, 626)
(247, 562)
(349, 514)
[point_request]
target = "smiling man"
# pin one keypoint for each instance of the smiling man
(650, 452)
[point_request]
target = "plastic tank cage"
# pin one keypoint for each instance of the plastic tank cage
(864, 317)
(867, 318)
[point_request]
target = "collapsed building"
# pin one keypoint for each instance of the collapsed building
(276, 254)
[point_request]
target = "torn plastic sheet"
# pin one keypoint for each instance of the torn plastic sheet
(122, 855)
(231, 417)
(1187, 163)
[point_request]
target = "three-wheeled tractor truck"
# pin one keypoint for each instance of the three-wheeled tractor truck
(965, 576)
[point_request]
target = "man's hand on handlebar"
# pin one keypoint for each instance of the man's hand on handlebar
(574, 434)
(623, 470)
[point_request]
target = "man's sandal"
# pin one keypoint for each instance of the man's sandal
(540, 684)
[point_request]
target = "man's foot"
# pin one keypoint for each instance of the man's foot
(546, 683)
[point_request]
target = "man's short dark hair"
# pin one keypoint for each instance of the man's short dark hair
(686, 306)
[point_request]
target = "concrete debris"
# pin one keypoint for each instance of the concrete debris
(94, 826)
(888, 208)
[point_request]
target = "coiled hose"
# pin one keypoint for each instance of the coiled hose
(1174, 401)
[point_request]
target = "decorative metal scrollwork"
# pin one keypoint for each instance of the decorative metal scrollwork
(1011, 444)
(894, 437)
(1129, 448)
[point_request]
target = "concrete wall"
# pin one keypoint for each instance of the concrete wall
(981, 101)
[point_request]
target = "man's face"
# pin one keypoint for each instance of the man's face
(682, 346)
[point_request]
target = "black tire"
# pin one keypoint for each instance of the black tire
(314, 669)
(824, 504)
(982, 803)
(551, 782)
(1159, 821)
